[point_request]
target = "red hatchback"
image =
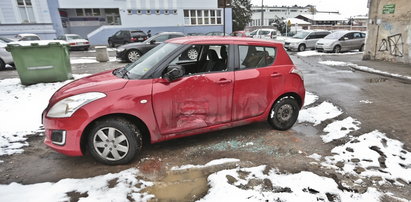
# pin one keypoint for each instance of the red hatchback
(183, 87)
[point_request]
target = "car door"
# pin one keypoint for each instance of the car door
(310, 40)
(347, 42)
(116, 38)
(197, 100)
(357, 41)
(255, 80)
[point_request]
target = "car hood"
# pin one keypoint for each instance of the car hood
(293, 40)
(132, 45)
(326, 41)
(101, 82)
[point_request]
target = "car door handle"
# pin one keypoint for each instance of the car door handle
(223, 81)
(275, 74)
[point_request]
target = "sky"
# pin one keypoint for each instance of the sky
(346, 7)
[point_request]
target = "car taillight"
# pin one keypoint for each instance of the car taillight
(86, 42)
(133, 39)
(72, 44)
(298, 72)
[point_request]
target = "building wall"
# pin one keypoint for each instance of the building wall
(389, 35)
(271, 13)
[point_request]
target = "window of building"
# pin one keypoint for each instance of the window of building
(202, 17)
(112, 16)
(148, 12)
(158, 12)
(175, 12)
(129, 12)
(166, 12)
(256, 56)
(88, 12)
(79, 12)
(139, 12)
(26, 11)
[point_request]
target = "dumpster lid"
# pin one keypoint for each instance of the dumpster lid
(37, 43)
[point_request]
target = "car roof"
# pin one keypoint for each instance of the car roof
(161, 33)
(23, 35)
(71, 35)
(220, 40)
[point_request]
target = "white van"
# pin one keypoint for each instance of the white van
(303, 40)
(264, 34)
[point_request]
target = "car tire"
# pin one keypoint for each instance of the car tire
(114, 141)
(361, 48)
(284, 113)
(133, 55)
(337, 49)
(2, 64)
(301, 47)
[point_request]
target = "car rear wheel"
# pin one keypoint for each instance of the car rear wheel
(284, 113)
(133, 55)
(2, 64)
(361, 48)
(114, 141)
(337, 49)
(301, 47)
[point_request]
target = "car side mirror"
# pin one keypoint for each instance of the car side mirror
(152, 41)
(174, 72)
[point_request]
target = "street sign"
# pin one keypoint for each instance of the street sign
(388, 9)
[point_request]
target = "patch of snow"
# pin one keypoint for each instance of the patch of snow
(20, 114)
(315, 156)
(249, 144)
(318, 114)
(366, 101)
(310, 98)
(39, 42)
(253, 184)
(315, 53)
(339, 129)
(211, 163)
(110, 187)
(333, 63)
(377, 154)
(87, 60)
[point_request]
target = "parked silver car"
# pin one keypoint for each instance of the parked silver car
(305, 39)
(340, 41)
(5, 57)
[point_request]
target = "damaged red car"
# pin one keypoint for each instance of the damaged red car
(183, 87)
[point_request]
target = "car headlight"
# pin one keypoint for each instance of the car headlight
(120, 49)
(67, 106)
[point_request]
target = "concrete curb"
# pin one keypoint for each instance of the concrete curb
(406, 79)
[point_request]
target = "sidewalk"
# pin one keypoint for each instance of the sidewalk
(394, 70)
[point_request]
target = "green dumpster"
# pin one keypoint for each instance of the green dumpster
(41, 61)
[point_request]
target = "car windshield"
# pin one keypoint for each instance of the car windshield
(5, 40)
(335, 35)
(74, 37)
(301, 35)
(149, 60)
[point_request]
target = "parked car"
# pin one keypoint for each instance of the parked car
(195, 34)
(342, 41)
(126, 36)
(27, 37)
(264, 34)
(5, 40)
(303, 40)
(173, 91)
(216, 34)
(240, 34)
(75, 41)
(132, 51)
(5, 56)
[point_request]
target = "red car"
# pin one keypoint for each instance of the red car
(185, 86)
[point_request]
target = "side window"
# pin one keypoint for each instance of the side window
(349, 35)
(161, 38)
(256, 56)
(117, 34)
(363, 35)
(357, 35)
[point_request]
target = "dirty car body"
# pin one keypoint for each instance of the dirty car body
(185, 86)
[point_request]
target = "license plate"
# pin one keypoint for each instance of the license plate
(140, 38)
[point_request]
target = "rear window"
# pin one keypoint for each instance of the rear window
(137, 33)
(256, 56)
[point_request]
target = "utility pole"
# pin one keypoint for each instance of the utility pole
(262, 13)
(225, 4)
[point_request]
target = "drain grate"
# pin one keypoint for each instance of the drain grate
(377, 80)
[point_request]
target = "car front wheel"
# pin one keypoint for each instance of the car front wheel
(301, 47)
(337, 49)
(114, 141)
(133, 55)
(284, 113)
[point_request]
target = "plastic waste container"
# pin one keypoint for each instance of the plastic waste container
(41, 61)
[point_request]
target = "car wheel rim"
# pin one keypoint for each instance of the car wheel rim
(337, 49)
(111, 144)
(285, 112)
(133, 56)
(192, 54)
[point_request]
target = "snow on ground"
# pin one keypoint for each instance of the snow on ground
(315, 53)
(339, 129)
(366, 101)
(84, 60)
(20, 114)
(315, 156)
(109, 187)
(320, 113)
(258, 184)
(310, 98)
(211, 163)
(372, 154)
(362, 68)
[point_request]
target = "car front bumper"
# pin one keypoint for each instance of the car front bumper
(121, 55)
(291, 46)
(324, 48)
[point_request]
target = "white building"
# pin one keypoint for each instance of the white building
(99, 19)
(270, 13)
